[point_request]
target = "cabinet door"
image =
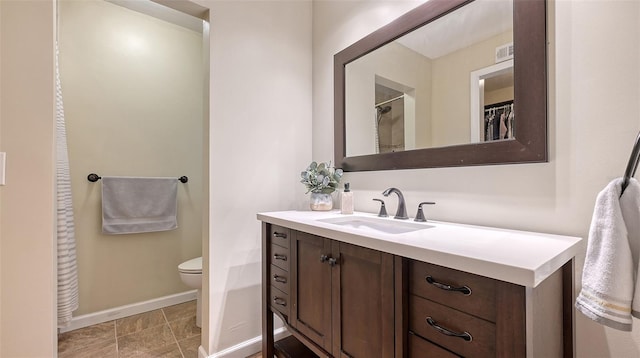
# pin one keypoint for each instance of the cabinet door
(363, 302)
(311, 288)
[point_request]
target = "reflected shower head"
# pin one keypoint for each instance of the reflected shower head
(383, 110)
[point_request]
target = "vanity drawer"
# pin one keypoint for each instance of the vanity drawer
(481, 337)
(279, 235)
(280, 257)
(481, 301)
(421, 348)
(280, 301)
(280, 279)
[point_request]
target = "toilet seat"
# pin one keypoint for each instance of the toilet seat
(191, 275)
(193, 266)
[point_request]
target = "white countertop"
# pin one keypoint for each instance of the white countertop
(520, 257)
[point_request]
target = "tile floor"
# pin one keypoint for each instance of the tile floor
(170, 332)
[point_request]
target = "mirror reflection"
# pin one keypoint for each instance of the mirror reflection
(447, 83)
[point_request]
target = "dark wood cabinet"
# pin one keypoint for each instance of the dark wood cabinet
(466, 314)
(311, 288)
(362, 302)
(342, 300)
(337, 298)
(342, 296)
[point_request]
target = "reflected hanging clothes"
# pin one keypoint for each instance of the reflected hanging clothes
(488, 125)
(503, 124)
(511, 122)
(498, 121)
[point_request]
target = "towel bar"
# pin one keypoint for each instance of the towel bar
(93, 177)
(632, 165)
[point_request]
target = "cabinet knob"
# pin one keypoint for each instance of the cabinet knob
(280, 257)
(280, 235)
(280, 279)
(279, 301)
(464, 289)
(447, 332)
(332, 261)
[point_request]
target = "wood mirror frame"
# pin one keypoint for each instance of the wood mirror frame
(530, 92)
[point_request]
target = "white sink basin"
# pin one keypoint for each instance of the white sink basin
(370, 224)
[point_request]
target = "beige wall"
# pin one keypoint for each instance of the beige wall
(441, 90)
(1, 99)
(499, 95)
(413, 77)
(594, 112)
(451, 96)
(132, 90)
(27, 243)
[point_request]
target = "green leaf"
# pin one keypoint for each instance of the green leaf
(320, 177)
(327, 190)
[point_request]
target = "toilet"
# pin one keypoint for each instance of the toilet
(191, 274)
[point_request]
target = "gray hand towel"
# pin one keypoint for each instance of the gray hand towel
(136, 205)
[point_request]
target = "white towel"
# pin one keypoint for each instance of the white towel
(610, 293)
(136, 205)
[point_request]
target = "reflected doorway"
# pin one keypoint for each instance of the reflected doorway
(389, 125)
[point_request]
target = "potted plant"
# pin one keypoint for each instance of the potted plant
(321, 180)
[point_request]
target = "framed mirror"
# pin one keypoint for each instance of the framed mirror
(450, 83)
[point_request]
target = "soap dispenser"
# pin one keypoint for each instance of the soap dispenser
(346, 204)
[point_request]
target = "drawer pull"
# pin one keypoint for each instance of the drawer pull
(280, 235)
(464, 335)
(281, 279)
(280, 257)
(464, 289)
(279, 301)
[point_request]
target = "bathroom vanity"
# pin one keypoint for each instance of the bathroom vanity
(362, 286)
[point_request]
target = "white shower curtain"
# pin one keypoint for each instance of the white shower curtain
(67, 269)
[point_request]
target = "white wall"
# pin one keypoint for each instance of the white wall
(598, 116)
(27, 123)
(260, 140)
(260, 52)
(594, 111)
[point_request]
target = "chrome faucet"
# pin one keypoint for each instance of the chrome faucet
(401, 213)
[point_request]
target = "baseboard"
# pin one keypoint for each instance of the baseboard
(129, 310)
(246, 348)
(202, 353)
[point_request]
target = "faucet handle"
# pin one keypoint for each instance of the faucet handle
(383, 209)
(420, 214)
